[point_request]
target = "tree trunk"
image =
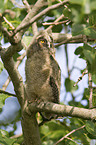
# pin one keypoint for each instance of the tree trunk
(30, 130)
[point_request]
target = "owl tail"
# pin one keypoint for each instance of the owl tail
(48, 116)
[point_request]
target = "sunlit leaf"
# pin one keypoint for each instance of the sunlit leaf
(4, 138)
(1, 6)
(27, 40)
(69, 85)
(1, 66)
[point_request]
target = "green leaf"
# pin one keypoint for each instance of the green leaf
(90, 55)
(44, 129)
(78, 29)
(49, 142)
(3, 97)
(1, 6)
(91, 129)
(4, 132)
(78, 2)
(4, 138)
(27, 40)
(87, 53)
(86, 7)
(57, 134)
(1, 67)
(94, 77)
(16, 55)
(69, 85)
(93, 5)
(79, 50)
(84, 29)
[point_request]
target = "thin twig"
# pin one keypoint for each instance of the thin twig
(34, 28)
(16, 136)
(5, 31)
(80, 78)
(55, 23)
(34, 25)
(90, 90)
(5, 92)
(71, 140)
(27, 5)
(58, 19)
(11, 26)
(69, 134)
(6, 84)
(20, 58)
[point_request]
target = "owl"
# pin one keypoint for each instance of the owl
(43, 75)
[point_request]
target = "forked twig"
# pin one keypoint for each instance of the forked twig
(69, 134)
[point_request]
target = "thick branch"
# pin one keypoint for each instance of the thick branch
(14, 75)
(30, 129)
(39, 15)
(19, 60)
(64, 110)
(68, 38)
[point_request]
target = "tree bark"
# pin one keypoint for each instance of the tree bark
(30, 129)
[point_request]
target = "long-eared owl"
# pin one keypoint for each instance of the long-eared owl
(43, 75)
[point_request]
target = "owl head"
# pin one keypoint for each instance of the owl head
(45, 39)
(42, 42)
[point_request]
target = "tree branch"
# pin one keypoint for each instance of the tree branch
(61, 38)
(63, 110)
(90, 90)
(54, 23)
(28, 23)
(69, 134)
(17, 64)
(58, 19)
(14, 75)
(5, 92)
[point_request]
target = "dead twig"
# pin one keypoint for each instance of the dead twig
(55, 23)
(90, 90)
(80, 78)
(11, 26)
(57, 20)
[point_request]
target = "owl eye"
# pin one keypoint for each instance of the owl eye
(42, 41)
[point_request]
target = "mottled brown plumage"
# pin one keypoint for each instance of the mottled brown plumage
(43, 75)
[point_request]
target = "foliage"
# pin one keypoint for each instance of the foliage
(82, 17)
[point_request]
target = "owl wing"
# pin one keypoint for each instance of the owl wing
(55, 90)
(55, 79)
